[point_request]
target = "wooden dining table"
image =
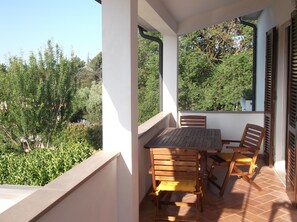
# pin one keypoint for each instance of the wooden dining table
(202, 139)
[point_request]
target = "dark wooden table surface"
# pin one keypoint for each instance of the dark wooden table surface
(188, 138)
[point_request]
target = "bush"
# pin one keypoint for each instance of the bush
(41, 166)
(90, 134)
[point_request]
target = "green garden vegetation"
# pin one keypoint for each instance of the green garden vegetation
(40, 166)
(51, 106)
(50, 111)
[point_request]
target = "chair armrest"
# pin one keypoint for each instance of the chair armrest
(231, 147)
(230, 141)
(241, 149)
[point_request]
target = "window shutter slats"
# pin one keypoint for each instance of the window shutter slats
(270, 70)
(292, 111)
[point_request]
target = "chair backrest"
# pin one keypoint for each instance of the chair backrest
(192, 121)
(174, 164)
(252, 137)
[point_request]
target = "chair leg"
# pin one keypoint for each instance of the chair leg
(250, 181)
(247, 178)
(201, 202)
(156, 207)
(227, 177)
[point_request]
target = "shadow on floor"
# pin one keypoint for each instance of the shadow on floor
(241, 201)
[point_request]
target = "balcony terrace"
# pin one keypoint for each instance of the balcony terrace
(89, 191)
(112, 185)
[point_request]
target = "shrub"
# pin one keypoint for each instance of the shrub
(40, 166)
(90, 134)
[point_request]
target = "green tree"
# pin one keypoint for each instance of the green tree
(38, 95)
(94, 104)
(92, 71)
(148, 78)
(88, 102)
(88, 99)
(228, 83)
(229, 37)
(194, 69)
(215, 67)
(96, 65)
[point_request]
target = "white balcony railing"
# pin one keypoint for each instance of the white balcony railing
(78, 195)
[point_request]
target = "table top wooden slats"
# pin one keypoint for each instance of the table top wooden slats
(188, 138)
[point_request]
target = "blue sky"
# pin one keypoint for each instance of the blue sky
(26, 26)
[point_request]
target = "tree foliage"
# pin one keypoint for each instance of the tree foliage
(37, 96)
(92, 71)
(148, 78)
(229, 81)
(229, 37)
(88, 99)
(215, 67)
(88, 103)
(194, 69)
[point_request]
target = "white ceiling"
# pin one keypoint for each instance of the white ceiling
(183, 16)
(182, 10)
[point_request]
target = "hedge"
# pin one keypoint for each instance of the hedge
(40, 166)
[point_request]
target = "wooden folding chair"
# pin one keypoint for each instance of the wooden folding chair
(175, 170)
(192, 121)
(244, 155)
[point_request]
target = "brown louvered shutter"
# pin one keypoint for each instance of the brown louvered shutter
(270, 70)
(292, 111)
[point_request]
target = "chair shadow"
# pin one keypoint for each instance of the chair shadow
(278, 207)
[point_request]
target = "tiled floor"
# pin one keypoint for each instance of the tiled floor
(241, 202)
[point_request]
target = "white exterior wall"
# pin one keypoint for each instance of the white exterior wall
(277, 16)
(120, 113)
(264, 24)
(270, 17)
(170, 74)
(231, 124)
(146, 132)
(281, 102)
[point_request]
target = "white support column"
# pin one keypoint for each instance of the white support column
(170, 74)
(120, 115)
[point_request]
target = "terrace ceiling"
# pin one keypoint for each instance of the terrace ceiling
(180, 17)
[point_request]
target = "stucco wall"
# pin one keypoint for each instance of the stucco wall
(231, 124)
(278, 15)
(275, 16)
(146, 131)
